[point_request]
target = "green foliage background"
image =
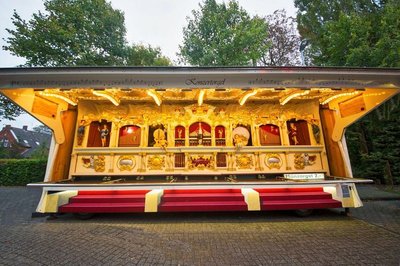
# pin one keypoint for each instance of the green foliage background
(75, 33)
(360, 33)
(223, 35)
(19, 172)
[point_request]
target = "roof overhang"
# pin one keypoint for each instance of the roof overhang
(198, 77)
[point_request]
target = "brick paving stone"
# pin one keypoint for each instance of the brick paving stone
(370, 236)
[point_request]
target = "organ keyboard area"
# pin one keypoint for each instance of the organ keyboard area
(216, 141)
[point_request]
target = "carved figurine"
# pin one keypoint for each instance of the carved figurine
(200, 134)
(103, 134)
(240, 140)
(316, 131)
(220, 131)
(159, 138)
(293, 134)
(81, 131)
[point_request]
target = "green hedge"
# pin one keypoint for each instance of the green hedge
(19, 172)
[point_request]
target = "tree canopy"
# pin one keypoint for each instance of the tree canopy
(283, 40)
(351, 33)
(8, 110)
(70, 33)
(361, 33)
(223, 35)
(75, 33)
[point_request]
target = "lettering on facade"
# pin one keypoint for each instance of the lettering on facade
(209, 82)
(87, 82)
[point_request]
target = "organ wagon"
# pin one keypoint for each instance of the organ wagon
(197, 139)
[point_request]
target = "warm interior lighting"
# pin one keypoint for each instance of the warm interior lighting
(330, 98)
(59, 95)
(156, 97)
(201, 97)
(298, 93)
(107, 95)
(247, 95)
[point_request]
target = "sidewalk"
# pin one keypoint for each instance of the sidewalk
(375, 193)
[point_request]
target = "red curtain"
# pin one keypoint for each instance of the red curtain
(129, 136)
(220, 132)
(269, 135)
(204, 126)
(179, 132)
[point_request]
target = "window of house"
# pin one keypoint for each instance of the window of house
(5, 143)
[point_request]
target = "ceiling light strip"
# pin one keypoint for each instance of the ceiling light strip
(246, 96)
(58, 96)
(201, 97)
(331, 98)
(156, 97)
(107, 95)
(293, 95)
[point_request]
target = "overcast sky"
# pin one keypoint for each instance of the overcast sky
(155, 22)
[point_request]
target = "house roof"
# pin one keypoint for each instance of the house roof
(31, 140)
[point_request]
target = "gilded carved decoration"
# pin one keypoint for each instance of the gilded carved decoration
(94, 162)
(218, 114)
(241, 136)
(155, 162)
(201, 162)
(159, 138)
(273, 160)
(244, 161)
(126, 163)
(301, 160)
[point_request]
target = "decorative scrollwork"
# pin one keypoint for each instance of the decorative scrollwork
(273, 160)
(201, 162)
(301, 160)
(94, 162)
(156, 162)
(244, 161)
(126, 163)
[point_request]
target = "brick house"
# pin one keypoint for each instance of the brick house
(22, 142)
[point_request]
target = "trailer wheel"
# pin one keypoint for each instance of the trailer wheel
(83, 215)
(303, 212)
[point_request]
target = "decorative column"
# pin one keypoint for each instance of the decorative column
(187, 136)
(253, 134)
(169, 162)
(256, 140)
(111, 166)
(287, 161)
(186, 161)
(142, 166)
(257, 160)
(228, 136)
(231, 158)
(170, 140)
(215, 161)
(142, 135)
(213, 136)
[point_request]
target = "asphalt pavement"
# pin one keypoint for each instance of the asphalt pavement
(368, 236)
